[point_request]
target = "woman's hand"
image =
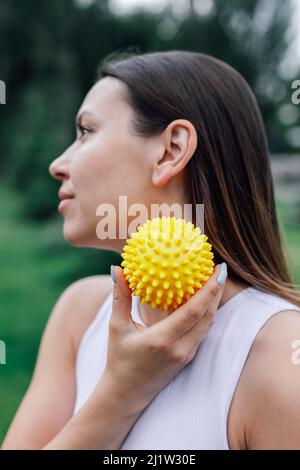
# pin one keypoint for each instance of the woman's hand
(142, 360)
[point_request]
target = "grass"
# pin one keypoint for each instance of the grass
(36, 266)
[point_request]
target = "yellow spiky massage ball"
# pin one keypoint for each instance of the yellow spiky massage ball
(166, 261)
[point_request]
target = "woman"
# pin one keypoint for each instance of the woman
(222, 371)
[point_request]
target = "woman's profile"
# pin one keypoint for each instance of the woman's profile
(219, 372)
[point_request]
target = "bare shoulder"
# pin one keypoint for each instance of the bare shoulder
(81, 301)
(265, 411)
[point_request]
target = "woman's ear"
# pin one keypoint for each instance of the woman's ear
(179, 145)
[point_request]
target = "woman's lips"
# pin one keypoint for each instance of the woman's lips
(64, 200)
(63, 203)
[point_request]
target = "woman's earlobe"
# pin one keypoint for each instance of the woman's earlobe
(161, 177)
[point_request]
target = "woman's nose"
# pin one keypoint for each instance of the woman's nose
(58, 169)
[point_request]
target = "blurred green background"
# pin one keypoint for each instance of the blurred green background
(49, 54)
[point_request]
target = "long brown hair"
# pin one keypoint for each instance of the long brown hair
(230, 170)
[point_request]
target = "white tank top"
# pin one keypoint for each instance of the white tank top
(189, 413)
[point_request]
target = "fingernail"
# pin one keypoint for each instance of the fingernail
(223, 274)
(112, 273)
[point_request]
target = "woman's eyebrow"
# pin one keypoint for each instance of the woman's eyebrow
(79, 116)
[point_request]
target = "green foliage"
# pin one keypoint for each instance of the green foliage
(43, 132)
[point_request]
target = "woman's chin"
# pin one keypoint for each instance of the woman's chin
(73, 235)
(78, 235)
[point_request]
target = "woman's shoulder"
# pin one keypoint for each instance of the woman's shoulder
(82, 300)
(267, 399)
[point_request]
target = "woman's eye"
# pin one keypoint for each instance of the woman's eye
(83, 130)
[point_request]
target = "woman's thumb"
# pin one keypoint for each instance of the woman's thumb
(122, 300)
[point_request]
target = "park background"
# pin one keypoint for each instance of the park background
(49, 54)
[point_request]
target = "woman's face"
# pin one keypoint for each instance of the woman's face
(107, 161)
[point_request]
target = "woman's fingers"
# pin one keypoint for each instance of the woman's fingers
(188, 344)
(173, 327)
(122, 301)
